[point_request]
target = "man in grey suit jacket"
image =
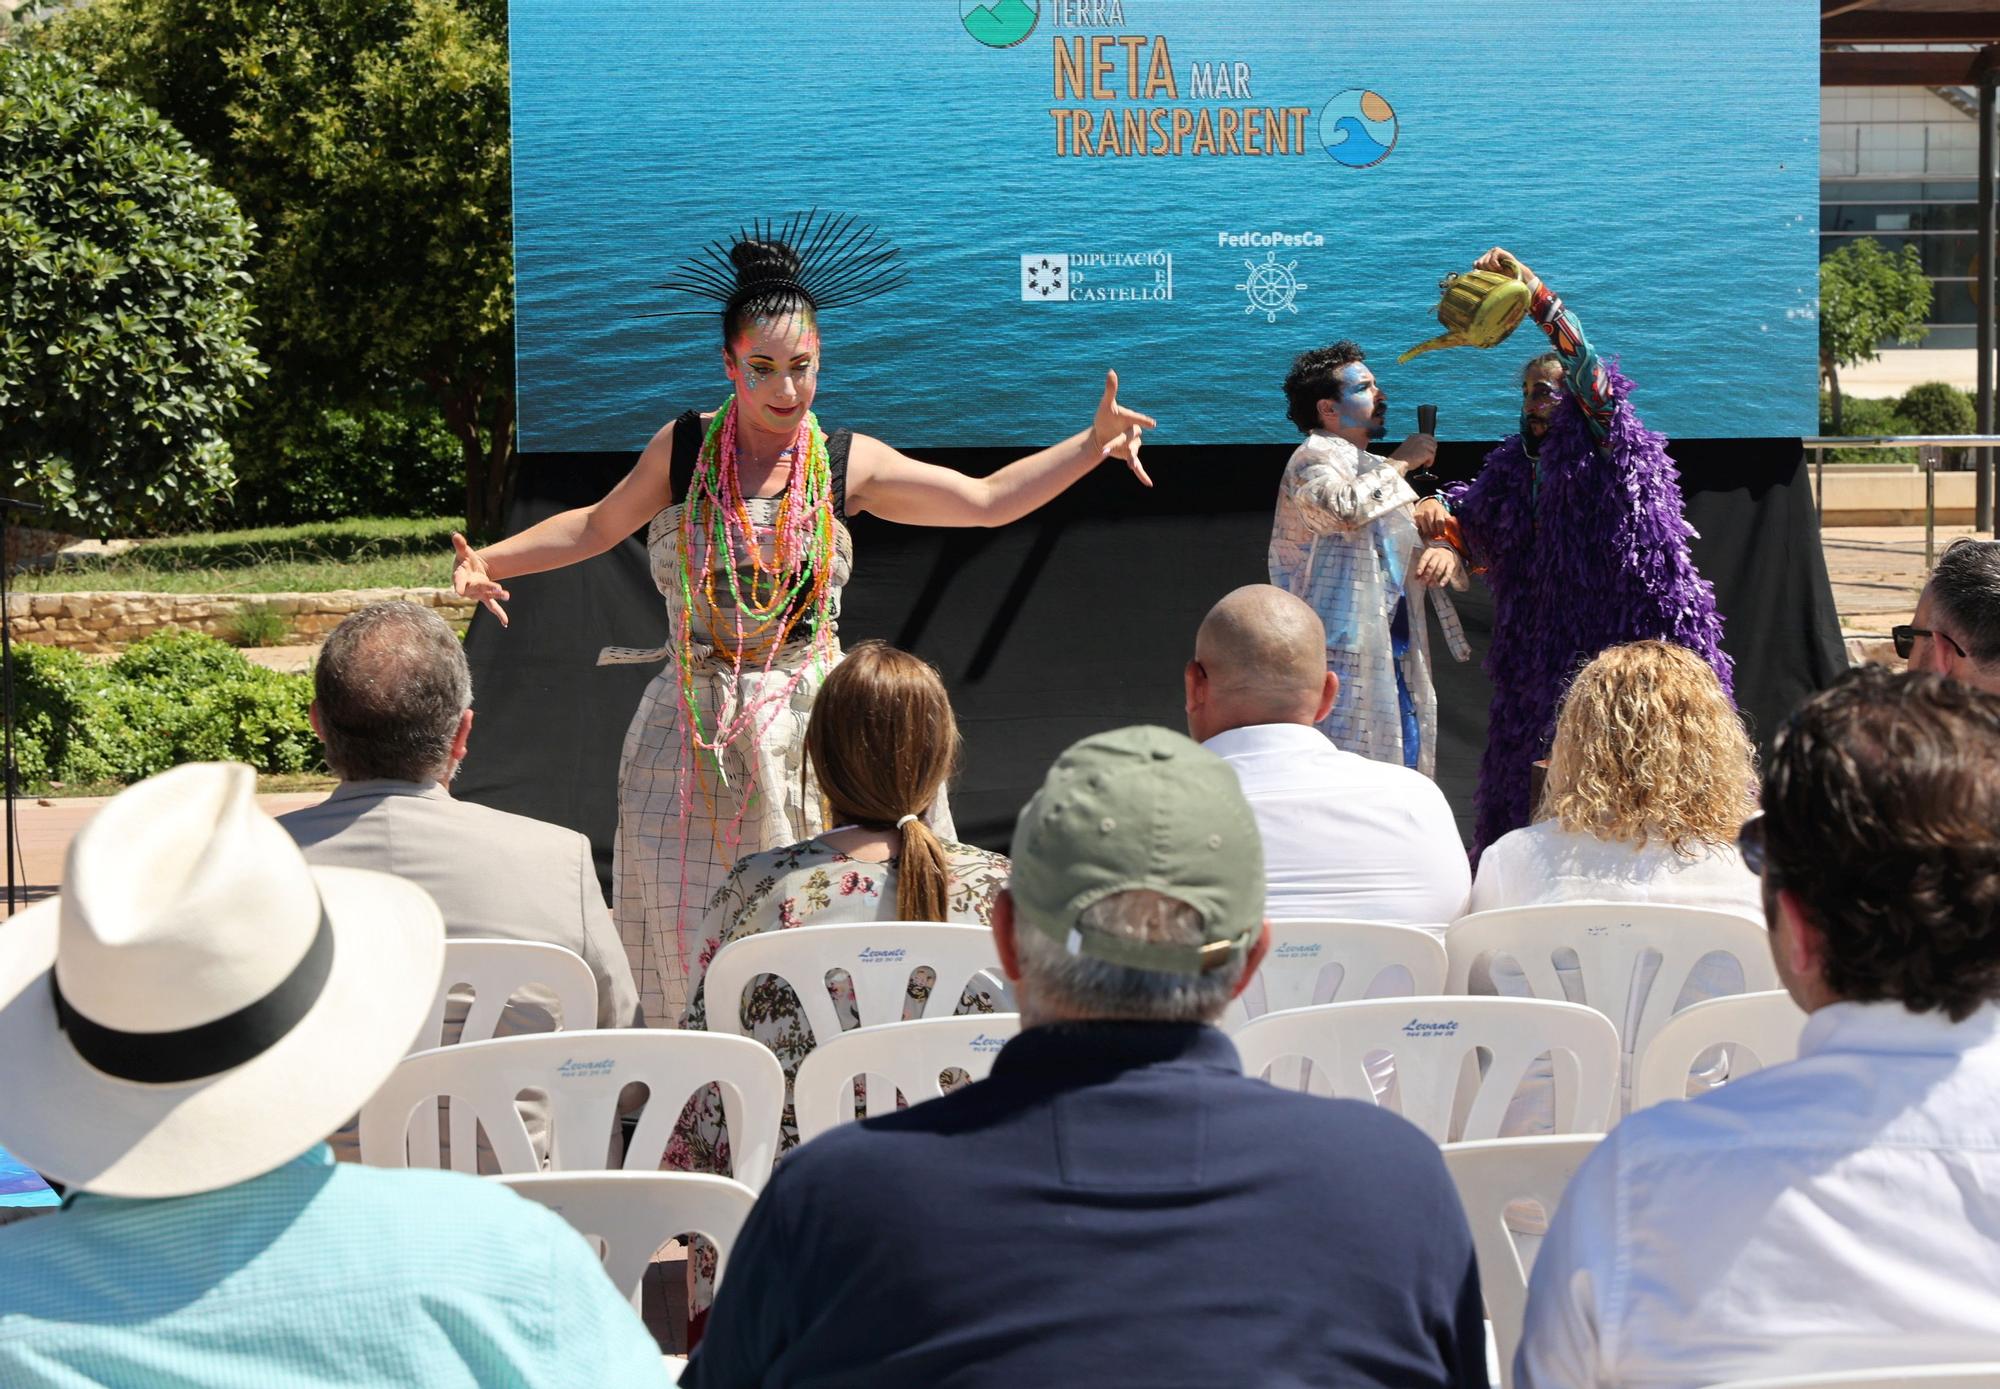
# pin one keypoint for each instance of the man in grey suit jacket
(393, 705)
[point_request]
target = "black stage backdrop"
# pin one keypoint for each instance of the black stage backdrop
(1080, 618)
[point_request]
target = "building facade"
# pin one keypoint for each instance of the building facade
(1900, 164)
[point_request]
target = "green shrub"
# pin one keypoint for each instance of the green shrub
(172, 698)
(1936, 407)
(306, 465)
(1865, 416)
(259, 624)
(124, 317)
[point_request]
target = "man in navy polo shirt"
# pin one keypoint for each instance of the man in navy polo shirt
(1117, 1203)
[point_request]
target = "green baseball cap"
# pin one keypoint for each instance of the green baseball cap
(1141, 808)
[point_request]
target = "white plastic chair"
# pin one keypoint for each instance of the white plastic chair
(1984, 1375)
(629, 1215)
(582, 1073)
(878, 956)
(1430, 1039)
(1611, 941)
(908, 1056)
(1491, 1175)
(1303, 953)
(1760, 1029)
(495, 971)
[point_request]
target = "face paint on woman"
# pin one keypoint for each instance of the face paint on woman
(775, 364)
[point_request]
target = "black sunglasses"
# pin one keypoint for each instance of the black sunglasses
(1906, 636)
(1750, 843)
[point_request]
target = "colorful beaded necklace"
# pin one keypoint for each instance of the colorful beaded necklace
(771, 604)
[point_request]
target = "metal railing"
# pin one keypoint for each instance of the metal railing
(1930, 450)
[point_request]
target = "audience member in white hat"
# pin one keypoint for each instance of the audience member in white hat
(181, 1029)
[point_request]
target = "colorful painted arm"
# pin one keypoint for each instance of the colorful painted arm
(1458, 503)
(1584, 375)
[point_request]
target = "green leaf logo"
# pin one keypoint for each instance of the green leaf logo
(999, 23)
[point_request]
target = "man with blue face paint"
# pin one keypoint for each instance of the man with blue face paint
(1576, 523)
(1345, 542)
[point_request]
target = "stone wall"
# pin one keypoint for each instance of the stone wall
(108, 621)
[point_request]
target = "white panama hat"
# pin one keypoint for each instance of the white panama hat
(199, 1006)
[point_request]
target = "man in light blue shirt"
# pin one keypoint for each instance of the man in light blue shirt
(182, 1027)
(1839, 1212)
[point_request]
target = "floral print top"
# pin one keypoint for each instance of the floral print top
(800, 884)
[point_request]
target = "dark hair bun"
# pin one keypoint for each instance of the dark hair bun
(757, 261)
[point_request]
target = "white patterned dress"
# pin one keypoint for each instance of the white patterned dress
(664, 872)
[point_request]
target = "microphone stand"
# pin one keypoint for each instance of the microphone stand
(8, 506)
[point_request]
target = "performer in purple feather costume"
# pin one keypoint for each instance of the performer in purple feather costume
(1576, 522)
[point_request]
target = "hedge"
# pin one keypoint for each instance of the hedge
(174, 697)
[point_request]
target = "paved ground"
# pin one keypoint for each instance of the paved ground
(47, 824)
(1877, 572)
(292, 659)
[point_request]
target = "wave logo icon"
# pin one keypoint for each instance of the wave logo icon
(1358, 128)
(999, 23)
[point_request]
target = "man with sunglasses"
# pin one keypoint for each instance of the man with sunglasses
(1840, 1211)
(1576, 522)
(1956, 630)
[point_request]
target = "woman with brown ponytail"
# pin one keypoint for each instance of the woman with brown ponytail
(882, 742)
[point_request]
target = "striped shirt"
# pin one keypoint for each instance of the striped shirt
(315, 1274)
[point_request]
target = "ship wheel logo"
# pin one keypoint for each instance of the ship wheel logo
(1271, 287)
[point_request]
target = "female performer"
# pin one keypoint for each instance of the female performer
(744, 511)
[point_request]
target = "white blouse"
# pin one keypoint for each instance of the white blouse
(1546, 863)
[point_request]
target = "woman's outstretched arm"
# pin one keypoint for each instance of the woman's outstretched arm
(896, 487)
(568, 536)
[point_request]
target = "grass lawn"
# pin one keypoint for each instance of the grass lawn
(363, 553)
(268, 784)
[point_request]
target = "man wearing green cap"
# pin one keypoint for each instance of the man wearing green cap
(1117, 1202)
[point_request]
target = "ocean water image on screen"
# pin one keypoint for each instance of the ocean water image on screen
(1192, 191)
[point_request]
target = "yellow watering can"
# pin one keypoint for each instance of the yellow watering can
(1478, 309)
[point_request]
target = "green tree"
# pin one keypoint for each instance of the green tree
(369, 140)
(123, 305)
(1867, 295)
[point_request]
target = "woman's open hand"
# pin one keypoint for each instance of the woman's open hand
(469, 578)
(1116, 431)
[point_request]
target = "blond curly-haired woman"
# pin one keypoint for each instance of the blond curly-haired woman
(1650, 777)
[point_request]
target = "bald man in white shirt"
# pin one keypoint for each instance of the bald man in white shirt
(1842, 1211)
(1345, 837)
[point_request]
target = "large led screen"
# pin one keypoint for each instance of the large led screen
(1191, 191)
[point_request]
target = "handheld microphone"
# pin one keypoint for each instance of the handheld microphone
(1427, 423)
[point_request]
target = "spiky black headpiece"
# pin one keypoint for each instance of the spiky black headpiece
(838, 260)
